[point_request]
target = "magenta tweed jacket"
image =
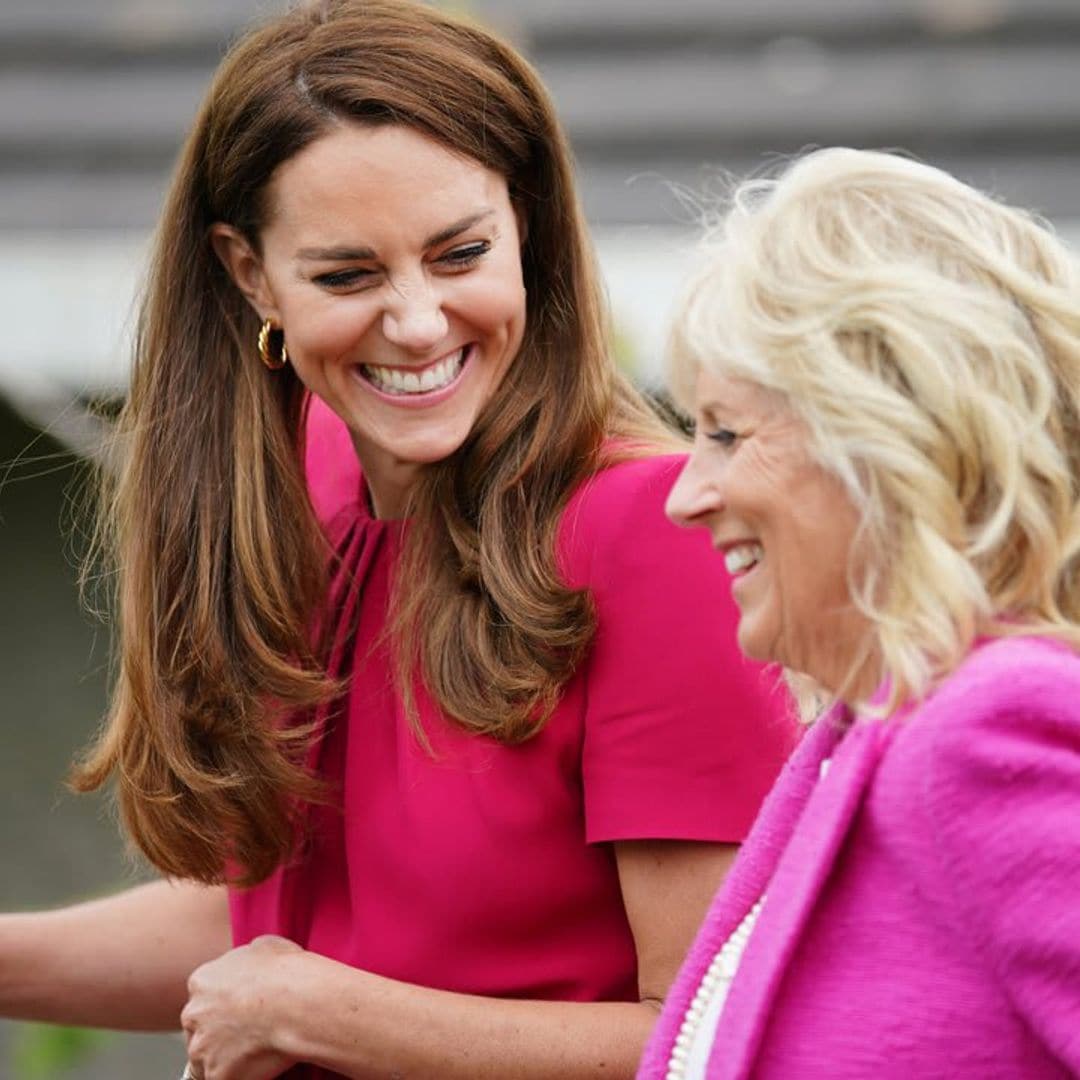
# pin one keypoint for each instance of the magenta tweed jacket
(923, 896)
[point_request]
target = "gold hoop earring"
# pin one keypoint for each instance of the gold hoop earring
(274, 363)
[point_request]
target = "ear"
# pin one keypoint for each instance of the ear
(245, 267)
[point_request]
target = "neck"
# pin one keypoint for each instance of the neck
(389, 482)
(850, 668)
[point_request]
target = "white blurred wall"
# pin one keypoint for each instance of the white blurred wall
(68, 303)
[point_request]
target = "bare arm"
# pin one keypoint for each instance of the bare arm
(667, 886)
(119, 962)
(262, 1008)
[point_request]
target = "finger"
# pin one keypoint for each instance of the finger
(270, 941)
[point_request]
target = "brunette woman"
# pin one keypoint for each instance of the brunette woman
(424, 733)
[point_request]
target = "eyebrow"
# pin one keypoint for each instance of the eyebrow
(361, 254)
(716, 410)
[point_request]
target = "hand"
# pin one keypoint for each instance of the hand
(230, 1020)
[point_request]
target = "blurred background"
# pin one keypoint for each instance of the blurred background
(659, 97)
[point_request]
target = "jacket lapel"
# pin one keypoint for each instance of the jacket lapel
(797, 878)
(747, 881)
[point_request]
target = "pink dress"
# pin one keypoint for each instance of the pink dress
(486, 868)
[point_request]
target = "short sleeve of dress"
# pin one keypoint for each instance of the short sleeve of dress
(330, 463)
(683, 735)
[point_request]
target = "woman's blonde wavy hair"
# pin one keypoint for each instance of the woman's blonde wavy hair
(929, 337)
(221, 565)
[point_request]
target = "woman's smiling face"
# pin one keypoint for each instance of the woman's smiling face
(393, 265)
(784, 524)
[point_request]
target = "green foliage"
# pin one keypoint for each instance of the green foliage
(51, 1052)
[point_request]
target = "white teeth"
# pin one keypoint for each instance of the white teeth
(397, 381)
(738, 559)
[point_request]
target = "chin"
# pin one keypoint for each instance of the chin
(754, 645)
(429, 453)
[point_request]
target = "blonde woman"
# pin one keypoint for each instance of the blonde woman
(403, 748)
(885, 369)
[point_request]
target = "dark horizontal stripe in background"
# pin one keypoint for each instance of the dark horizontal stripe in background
(94, 93)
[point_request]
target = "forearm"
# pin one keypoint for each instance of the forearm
(119, 962)
(269, 1004)
(366, 1027)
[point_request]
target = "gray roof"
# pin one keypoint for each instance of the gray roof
(95, 94)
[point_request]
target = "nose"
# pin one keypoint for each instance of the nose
(414, 319)
(695, 494)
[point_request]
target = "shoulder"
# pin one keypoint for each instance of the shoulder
(1017, 669)
(1010, 684)
(617, 514)
(1008, 695)
(999, 741)
(997, 796)
(620, 488)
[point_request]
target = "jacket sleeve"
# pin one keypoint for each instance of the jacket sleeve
(1003, 789)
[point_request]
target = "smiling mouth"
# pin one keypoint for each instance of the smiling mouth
(403, 382)
(743, 557)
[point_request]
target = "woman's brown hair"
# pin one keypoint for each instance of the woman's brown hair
(222, 566)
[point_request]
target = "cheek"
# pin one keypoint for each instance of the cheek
(327, 330)
(494, 305)
(499, 292)
(752, 494)
(823, 586)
